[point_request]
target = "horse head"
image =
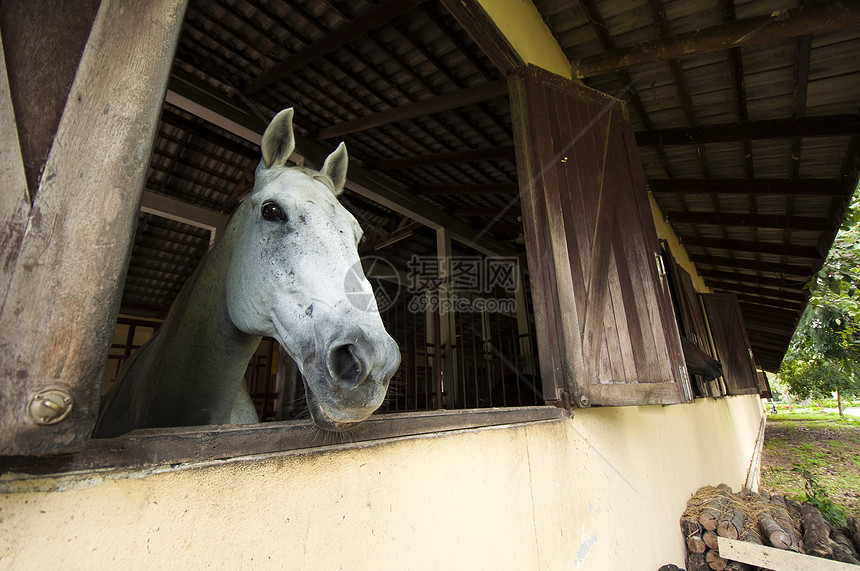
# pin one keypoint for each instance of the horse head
(295, 275)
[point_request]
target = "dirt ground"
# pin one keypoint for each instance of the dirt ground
(829, 449)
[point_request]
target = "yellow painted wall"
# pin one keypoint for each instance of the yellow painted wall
(527, 33)
(602, 490)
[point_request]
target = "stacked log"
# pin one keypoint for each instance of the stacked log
(763, 519)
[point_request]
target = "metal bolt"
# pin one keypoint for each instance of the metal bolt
(50, 406)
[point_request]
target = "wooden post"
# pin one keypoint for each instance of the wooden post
(14, 199)
(523, 329)
(65, 283)
(446, 336)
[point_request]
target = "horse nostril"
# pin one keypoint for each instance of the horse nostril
(344, 365)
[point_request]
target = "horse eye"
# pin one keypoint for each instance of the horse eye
(272, 212)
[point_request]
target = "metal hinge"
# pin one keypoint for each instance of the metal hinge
(661, 267)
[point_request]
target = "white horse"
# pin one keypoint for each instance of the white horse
(287, 267)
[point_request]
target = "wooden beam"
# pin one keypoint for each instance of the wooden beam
(371, 19)
(210, 135)
(751, 220)
(184, 212)
(764, 292)
(793, 187)
(767, 267)
(821, 126)
(15, 197)
(494, 153)
(442, 190)
(786, 305)
(784, 321)
(486, 34)
(776, 25)
(759, 247)
(67, 278)
(438, 104)
(485, 211)
(235, 117)
(768, 313)
(772, 558)
(753, 279)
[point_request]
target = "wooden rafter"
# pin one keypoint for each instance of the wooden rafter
(460, 98)
(761, 291)
(454, 190)
(758, 247)
(659, 17)
(779, 304)
(777, 25)
(752, 279)
(791, 187)
(494, 153)
(485, 211)
(821, 126)
(764, 267)
(752, 220)
(372, 19)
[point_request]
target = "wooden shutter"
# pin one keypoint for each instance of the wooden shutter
(606, 330)
(691, 321)
(732, 343)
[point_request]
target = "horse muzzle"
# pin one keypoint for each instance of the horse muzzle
(352, 381)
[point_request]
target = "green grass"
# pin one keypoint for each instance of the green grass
(822, 443)
(815, 417)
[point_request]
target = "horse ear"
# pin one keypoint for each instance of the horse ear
(278, 141)
(335, 168)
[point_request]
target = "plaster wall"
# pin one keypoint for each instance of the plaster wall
(601, 490)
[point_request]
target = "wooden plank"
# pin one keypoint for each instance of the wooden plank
(797, 295)
(58, 319)
(438, 104)
(555, 366)
(731, 341)
(492, 153)
(773, 558)
(486, 34)
(757, 220)
(154, 447)
(634, 394)
(184, 212)
(746, 246)
(44, 40)
(759, 266)
(438, 190)
(821, 126)
(777, 25)
(788, 187)
(792, 283)
(14, 197)
(371, 19)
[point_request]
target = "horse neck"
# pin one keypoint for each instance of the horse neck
(207, 355)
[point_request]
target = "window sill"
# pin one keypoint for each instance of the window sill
(174, 446)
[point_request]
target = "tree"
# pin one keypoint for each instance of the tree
(823, 355)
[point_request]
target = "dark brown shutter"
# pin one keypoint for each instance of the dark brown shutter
(606, 329)
(691, 321)
(732, 343)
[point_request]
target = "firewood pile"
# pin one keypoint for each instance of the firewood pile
(763, 519)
